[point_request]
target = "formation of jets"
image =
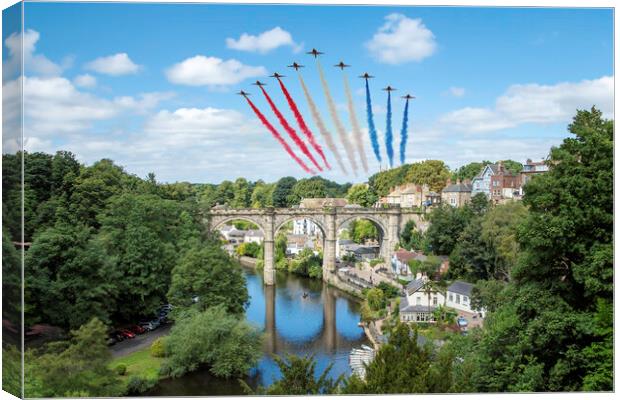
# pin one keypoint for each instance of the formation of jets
(315, 53)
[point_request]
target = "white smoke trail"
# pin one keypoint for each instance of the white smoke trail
(357, 133)
(321, 125)
(334, 114)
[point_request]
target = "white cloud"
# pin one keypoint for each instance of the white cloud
(211, 71)
(116, 64)
(35, 64)
(457, 91)
(402, 40)
(85, 80)
(55, 106)
(535, 103)
(263, 42)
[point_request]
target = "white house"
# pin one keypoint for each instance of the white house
(254, 236)
(400, 261)
(420, 301)
(305, 227)
(232, 234)
(459, 297)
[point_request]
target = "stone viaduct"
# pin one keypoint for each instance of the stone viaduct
(389, 221)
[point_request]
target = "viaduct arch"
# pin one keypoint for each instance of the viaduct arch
(390, 220)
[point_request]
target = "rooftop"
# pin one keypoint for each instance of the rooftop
(458, 187)
(461, 287)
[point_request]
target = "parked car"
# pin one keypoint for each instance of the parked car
(127, 334)
(461, 321)
(111, 340)
(155, 323)
(137, 329)
(117, 335)
(147, 326)
(167, 307)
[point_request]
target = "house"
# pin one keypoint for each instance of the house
(432, 199)
(505, 184)
(406, 196)
(305, 226)
(482, 182)
(254, 236)
(401, 259)
(360, 252)
(296, 243)
(420, 301)
(341, 248)
(531, 169)
(233, 235)
(459, 297)
(458, 194)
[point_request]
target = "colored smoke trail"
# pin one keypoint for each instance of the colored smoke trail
(372, 131)
(403, 133)
(279, 137)
(355, 126)
(302, 124)
(321, 125)
(334, 114)
(388, 131)
(291, 132)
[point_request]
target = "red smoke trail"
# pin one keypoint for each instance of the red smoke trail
(302, 124)
(279, 138)
(291, 132)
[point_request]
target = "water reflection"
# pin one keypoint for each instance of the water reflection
(323, 324)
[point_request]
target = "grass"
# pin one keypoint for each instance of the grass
(140, 364)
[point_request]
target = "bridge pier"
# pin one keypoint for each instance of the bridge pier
(329, 253)
(269, 269)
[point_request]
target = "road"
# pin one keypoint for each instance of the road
(129, 346)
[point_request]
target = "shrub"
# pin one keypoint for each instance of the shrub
(138, 385)
(158, 347)
(120, 369)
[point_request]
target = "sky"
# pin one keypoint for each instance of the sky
(153, 86)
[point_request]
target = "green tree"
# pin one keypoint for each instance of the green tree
(68, 278)
(225, 343)
(472, 257)
(400, 366)
(262, 195)
(208, 272)
(375, 299)
(554, 333)
(446, 224)
(308, 188)
(299, 378)
(433, 173)
(282, 191)
(362, 195)
(75, 369)
(361, 230)
(143, 235)
(242, 194)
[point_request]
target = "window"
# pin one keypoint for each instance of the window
(451, 297)
(465, 299)
(418, 300)
(434, 301)
(452, 200)
(458, 299)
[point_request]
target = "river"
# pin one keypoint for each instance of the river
(324, 324)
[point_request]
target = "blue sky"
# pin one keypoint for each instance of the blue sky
(152, 86)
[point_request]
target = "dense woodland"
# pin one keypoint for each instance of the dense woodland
(108, 247)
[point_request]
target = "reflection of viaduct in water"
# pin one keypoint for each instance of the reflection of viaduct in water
(389, 221)
(327, 338)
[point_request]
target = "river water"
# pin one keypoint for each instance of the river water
(324, 324)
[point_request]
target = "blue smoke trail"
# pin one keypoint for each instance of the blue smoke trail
(388, 131)
(371, 125)
(403, 134)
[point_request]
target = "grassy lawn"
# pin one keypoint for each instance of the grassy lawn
(141, 364)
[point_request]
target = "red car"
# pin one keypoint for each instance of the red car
(137, 329)
(127, 334)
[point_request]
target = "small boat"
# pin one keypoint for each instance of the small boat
(360, 324)
(304, 295)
